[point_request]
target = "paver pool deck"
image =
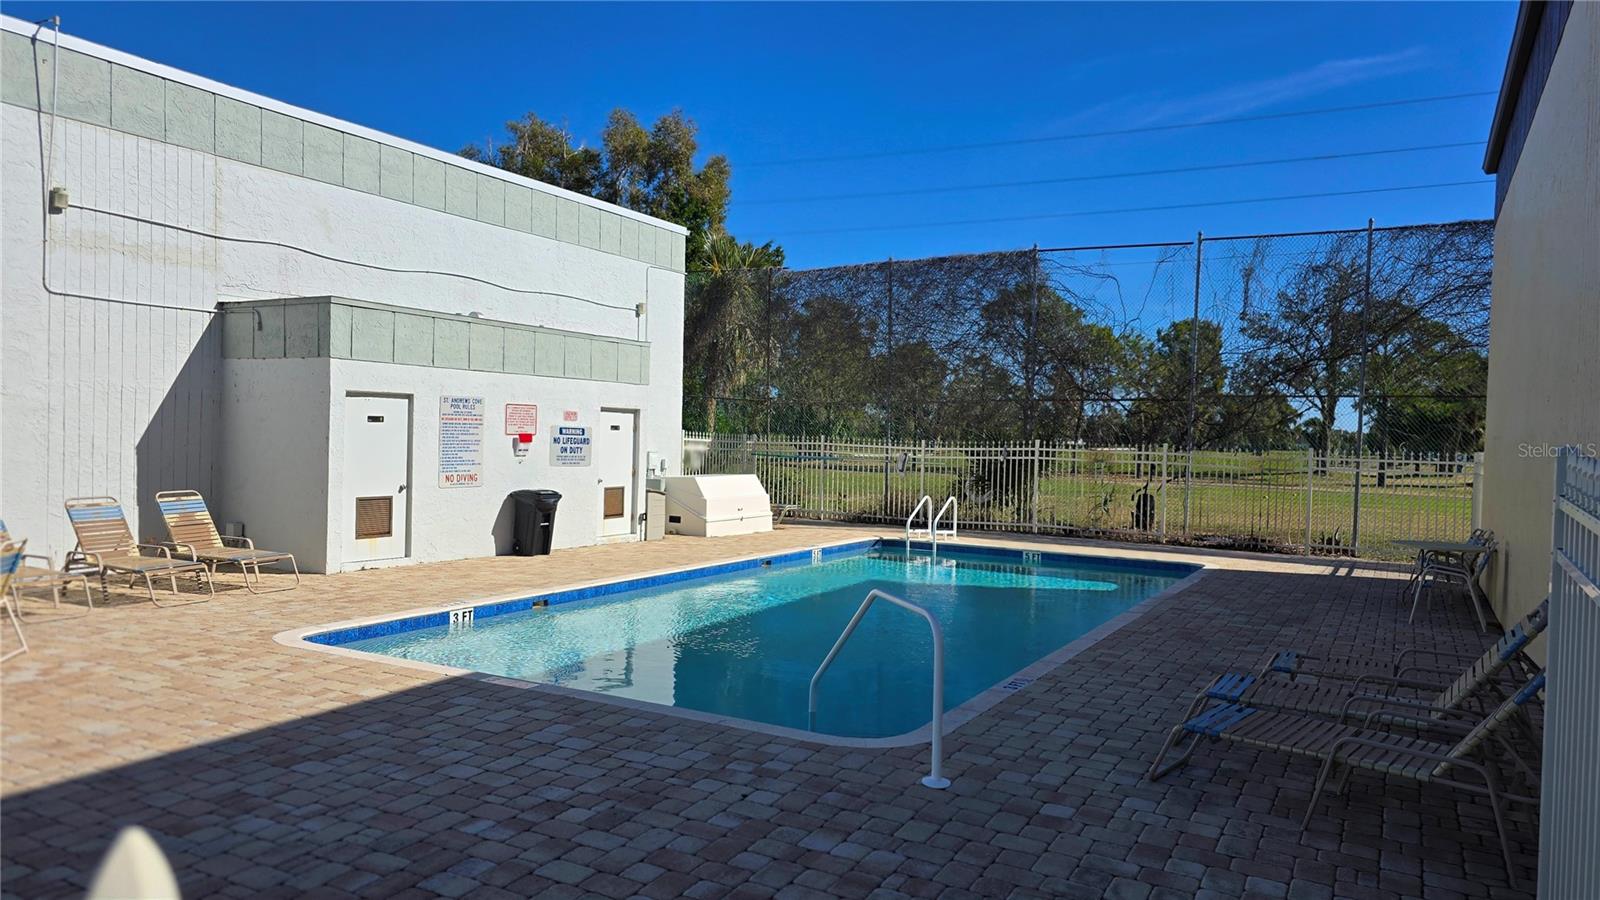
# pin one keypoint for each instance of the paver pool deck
(269, 770)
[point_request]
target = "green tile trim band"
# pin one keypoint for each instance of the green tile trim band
(339, 328)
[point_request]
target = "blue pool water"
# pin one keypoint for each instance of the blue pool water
(746, 644)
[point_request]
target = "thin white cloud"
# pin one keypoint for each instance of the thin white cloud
(1151, 108)
(1241, 99)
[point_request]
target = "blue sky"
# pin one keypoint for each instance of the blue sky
(770, 84)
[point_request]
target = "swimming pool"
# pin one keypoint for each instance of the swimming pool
(742, 640)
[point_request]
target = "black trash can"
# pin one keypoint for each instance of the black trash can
(533, 525)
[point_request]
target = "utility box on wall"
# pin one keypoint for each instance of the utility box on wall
(655, 515)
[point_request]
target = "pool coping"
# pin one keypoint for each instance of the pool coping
(953, 718)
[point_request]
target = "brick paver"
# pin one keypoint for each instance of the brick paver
(266, 770)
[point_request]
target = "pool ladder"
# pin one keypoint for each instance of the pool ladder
(935, 778)
(926, 501)
(950, 505)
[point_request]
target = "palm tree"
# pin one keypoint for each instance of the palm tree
(725, 328)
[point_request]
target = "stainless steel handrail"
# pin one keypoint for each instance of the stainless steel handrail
(933, 525)
(925, 501)
(935, 778)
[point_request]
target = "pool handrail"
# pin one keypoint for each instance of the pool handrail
(935, 778)
(925, 501)
(933, 526)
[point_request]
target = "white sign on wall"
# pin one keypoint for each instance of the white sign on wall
(522, 418)
(569, 445)
(460, 442)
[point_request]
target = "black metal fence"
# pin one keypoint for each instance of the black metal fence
(1370, 341)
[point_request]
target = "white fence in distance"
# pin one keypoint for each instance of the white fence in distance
(1289, 501)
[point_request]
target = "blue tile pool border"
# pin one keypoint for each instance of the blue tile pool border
(340, 636)
(1043, 557)
(953, 719)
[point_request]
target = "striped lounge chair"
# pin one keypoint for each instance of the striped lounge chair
(1331, 694)
(43, 575)
(106, 546)
(1405, 669)
(1388, 752)
(1444, 711)
(1344, 687)
(195, 536)
(10, 560)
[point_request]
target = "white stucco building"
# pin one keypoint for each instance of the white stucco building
(1544, 394)
(303, 319)
(1544, 346)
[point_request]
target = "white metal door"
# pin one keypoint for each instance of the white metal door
(377, 472)
(616, 465)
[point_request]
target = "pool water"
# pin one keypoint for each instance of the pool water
(746, 645)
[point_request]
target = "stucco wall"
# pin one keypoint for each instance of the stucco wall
(283, 434)
(1544, 349)
(103, 397)
(101, 86)
(273, 442)
(113, 382)
(449, 523)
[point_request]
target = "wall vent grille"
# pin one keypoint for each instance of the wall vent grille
(374, 517)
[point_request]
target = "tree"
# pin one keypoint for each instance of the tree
(1232, 407)
(725, 334)
(1254, 415)
(970, 410)
(1309, 337)
(913, 395)
(1438, 404)
(1423, 308)
(1081, 364)
(1055, 353)
(824, 366)
(1162, 370)
(541, 151)
(651, 170)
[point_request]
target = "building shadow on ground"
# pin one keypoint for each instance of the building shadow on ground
(466, 785)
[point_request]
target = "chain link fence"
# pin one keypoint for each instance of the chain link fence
(1263, 390)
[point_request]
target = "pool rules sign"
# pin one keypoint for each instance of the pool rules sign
(460, 442)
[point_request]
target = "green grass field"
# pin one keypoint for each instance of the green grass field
(1236, 499)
